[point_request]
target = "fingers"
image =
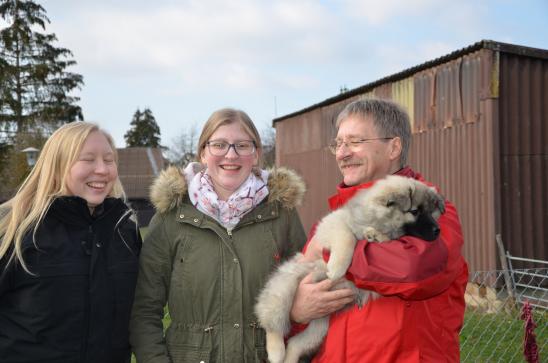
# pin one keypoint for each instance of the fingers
(316, 299)
(336, 305)
(331, 301)
(340, 294)
(308, 279)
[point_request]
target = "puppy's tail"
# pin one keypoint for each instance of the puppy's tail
(275, 300)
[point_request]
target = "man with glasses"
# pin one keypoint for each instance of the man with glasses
(420, 314)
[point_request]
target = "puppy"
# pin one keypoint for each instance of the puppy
(391, 208)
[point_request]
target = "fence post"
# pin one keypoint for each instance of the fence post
(504, 265)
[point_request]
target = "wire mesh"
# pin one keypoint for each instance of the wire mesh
(493, 330)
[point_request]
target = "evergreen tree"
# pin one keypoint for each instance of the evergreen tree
(144, 130)
(34, 84)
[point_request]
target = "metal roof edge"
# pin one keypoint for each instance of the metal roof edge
(483, 44)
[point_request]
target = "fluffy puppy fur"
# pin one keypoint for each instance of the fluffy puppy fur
(391, 208)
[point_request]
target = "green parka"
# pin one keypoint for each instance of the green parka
(209, 276)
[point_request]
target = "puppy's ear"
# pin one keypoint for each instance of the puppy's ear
(440, 203)
(401, 198)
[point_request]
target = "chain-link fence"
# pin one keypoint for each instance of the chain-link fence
(493, 330)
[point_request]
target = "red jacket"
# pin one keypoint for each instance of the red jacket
(421, 313)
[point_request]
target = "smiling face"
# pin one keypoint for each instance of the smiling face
(93, 174)
(228, 172)
(373, 159)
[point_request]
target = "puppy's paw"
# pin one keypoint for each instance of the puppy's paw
(334, 271)
(372, 235)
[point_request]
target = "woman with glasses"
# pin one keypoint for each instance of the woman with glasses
(222, 225)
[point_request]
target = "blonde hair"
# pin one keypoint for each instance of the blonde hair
(227, 116)
(46, 181)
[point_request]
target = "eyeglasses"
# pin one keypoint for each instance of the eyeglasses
(353, 144)
(220, 147)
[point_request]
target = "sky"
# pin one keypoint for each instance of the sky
(186, 59)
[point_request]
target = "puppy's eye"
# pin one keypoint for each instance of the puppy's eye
(414, 212)
(390, 203)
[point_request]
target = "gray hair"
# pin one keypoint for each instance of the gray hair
(389, 119)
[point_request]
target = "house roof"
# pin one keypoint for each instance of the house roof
(137, 168)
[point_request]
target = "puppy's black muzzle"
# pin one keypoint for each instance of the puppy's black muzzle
(425, 227)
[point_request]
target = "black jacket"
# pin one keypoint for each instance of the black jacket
(76, 306)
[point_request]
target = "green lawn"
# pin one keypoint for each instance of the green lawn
(499, 337)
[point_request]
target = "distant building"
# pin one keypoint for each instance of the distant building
(137, 169)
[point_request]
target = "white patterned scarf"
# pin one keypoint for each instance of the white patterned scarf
(228, 213)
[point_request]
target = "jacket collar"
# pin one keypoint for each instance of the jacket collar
(74, 210)
(170, 190)
(344, 192)
(188, 214)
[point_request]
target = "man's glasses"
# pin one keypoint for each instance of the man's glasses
(353, 144)
(220, 147)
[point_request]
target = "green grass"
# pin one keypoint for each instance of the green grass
(499, 337)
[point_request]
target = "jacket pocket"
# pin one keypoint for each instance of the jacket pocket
(189, 343)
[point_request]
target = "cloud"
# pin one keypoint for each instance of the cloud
(247, 41)
(399, 57)
(464, 17)
(377, 13)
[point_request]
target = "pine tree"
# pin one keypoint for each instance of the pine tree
(35, 88)
(144, 130)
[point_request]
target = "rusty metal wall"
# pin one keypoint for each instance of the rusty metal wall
(403, 94)
(524, 155)
(454, 143)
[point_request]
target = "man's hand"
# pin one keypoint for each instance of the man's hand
(314, 300)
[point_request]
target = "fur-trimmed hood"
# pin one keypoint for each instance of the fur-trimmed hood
(169, 189)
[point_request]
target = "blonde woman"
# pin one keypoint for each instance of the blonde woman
(68, 255)
(221, 227)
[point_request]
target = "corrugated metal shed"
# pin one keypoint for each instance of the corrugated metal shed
(480, 132)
